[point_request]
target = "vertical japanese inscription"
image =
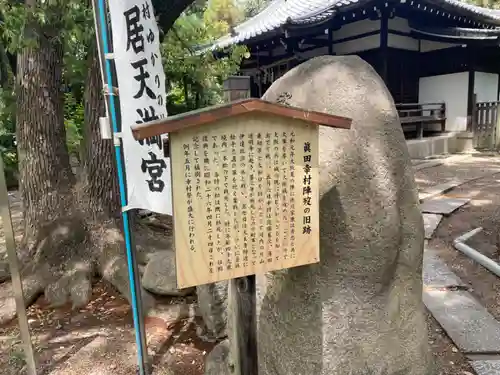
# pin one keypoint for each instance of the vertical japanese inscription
(189, 194)
(277, 199)
(269, 199)
(306, 189)
(249, 196)
(147, 97)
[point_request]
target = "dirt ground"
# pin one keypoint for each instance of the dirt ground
(99, 339)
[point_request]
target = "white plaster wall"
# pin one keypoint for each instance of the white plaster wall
(451, 89)
(429, 45)
(353, 29)
(400, 24)
(486, 86)
(315, 52)
(401, 41)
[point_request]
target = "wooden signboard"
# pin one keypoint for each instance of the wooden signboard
(245, 188)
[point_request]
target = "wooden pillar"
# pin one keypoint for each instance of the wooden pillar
(471, 103)
(291, 48)
(242, 324)
(384, 42)
(330, 42)
(259, 74)
(496, 136)
(498, 87)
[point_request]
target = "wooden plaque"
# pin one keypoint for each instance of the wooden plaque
(245, 193)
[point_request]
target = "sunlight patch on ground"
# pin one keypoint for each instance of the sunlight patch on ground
(480, 202)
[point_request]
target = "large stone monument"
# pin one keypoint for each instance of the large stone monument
(359, 311)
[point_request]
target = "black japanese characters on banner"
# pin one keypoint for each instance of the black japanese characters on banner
(147, 84)
(154, 167)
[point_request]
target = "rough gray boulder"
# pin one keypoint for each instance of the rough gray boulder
(212, 307)
(32, 288)
(160, 275)
(359, 311)
(218, 361)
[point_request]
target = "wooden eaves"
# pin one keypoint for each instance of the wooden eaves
(215, 113)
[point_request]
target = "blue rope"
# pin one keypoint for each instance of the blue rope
(121, 182)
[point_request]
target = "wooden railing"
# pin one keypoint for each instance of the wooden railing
(486, 125)
(415, 116)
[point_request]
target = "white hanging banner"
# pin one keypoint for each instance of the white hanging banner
(141, 84)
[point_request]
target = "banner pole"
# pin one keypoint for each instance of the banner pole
(102, 38)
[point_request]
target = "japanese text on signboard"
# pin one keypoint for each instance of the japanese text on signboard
(246, 199)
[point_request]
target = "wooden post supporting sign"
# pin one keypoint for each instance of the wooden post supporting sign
(17, 286)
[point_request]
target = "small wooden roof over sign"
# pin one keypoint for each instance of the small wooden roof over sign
(215, 113)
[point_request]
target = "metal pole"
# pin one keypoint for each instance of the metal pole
(100, 19)
(483, 260)
(17, 286)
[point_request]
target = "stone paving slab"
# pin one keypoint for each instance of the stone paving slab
(434, 191)
(437, 274)
(471, 327)
(431, 222)
(444, 206)
(486, 367)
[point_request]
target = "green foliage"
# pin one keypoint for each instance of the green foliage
(194, 78)
(74, 122)
(66, 21)
(59, 20)
(7, 132)
(253, 7)
(492, 4)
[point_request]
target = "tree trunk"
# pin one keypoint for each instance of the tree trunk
(101, 194)
(45, 176)
(71, 230)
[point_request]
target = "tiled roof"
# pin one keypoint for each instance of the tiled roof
(303, 12)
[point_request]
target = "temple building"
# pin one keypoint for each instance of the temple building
(439, 58)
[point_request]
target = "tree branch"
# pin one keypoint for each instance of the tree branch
(168, 11)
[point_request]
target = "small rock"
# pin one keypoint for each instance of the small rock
(160, 275)
(112, 366)
(454, 350)
(212, 305)
(4, 271)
